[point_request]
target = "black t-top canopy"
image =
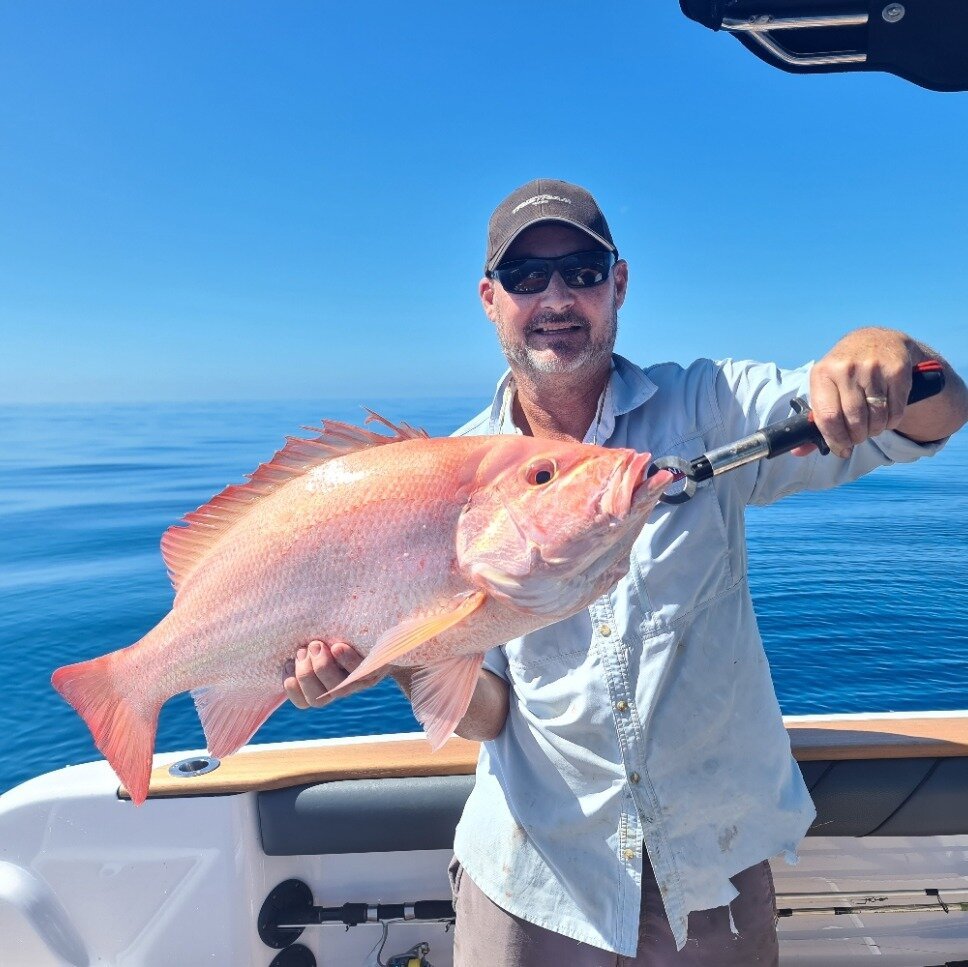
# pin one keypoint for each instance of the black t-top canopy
(923, 41)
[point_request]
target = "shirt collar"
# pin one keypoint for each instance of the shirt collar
(628, 388)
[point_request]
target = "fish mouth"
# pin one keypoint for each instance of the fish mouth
(631, 488)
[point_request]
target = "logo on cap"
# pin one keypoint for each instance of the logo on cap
(539, 200)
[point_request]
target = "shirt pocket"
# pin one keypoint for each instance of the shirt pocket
(560, 647)
(549, 669)
(681, 561)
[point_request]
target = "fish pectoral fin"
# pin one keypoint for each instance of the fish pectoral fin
(441, 693)
(404, 637)
(230, 716)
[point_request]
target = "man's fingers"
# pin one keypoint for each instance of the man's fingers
(351, 659)
(326, 668)
(860, 388)
(310, 685)
(850, 406)
(857, 413)
(348, 658)
(878, 409)
(319, 668)
(897, 397)
(294, 692)
(829, 415)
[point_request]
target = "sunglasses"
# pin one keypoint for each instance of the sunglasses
(580, 270)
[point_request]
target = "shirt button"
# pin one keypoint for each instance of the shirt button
(629, 854)
(604, 630)
(634, 777)
(621, 705)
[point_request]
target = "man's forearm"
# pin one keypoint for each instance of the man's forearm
(488, 709)
(941, 415)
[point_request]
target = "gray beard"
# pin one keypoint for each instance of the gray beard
(522, 356)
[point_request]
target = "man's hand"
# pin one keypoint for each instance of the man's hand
(318, 669)
(321, 667)
(860, 389)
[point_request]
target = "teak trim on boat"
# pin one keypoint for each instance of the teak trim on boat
(254, 768)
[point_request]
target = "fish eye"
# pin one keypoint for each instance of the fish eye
(541, 472)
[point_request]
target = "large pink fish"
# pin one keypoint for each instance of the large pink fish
(417, 551)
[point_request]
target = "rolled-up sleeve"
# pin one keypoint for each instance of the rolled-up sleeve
(496, 661)
(750, 395)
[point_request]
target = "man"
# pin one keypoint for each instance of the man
(635, 775)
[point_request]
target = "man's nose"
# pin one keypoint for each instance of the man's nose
(558, 295)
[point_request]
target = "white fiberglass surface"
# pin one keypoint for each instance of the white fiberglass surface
(88, 879)
(159, 884)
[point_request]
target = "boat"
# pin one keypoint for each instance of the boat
(335, 851)
(921, 41)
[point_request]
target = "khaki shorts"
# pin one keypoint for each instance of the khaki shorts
(487, 936)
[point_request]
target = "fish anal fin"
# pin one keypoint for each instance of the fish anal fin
(441, 693)
(230, 717)
(185, 544)
(411, 632)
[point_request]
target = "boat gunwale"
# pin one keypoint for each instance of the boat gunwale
(256, 768)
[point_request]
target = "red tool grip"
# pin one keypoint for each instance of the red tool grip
(927, 379)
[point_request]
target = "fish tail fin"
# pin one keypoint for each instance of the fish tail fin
(122, 721)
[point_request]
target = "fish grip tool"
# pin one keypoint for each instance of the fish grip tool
(927, 379)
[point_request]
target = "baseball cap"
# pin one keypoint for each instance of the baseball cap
(544, 200)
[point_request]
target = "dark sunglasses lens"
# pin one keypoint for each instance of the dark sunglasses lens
(526, 276)
(588, 268)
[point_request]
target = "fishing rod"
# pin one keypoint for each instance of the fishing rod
(924, 900)
(289, 909)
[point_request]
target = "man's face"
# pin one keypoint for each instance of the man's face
(560, 330)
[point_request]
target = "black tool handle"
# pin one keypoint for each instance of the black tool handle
(927, 379)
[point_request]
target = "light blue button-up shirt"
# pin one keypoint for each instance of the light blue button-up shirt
(651, 718)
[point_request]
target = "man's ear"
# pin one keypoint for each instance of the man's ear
(486, 291)
(620, 273)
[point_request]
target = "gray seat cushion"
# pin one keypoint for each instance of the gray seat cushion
(859, 797)
(363, 815)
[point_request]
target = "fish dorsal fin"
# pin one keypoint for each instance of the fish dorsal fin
(186, 543)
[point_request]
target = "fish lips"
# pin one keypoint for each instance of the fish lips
(630, 489)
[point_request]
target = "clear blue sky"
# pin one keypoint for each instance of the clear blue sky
(287, 200)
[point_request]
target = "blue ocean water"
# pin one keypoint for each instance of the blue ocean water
(861, 592)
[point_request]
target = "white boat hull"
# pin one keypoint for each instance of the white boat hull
(86, 878)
